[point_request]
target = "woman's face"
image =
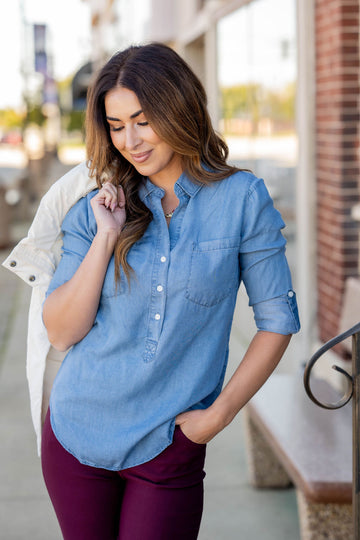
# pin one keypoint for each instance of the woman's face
(135, 139)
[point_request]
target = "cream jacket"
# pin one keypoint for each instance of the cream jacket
(34, 260)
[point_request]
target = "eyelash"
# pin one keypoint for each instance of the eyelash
(112, 128)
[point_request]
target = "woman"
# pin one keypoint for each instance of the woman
(144, 296)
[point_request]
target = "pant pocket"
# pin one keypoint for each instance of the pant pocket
(179, 432)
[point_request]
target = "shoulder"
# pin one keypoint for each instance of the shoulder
(81, 207)
(246, 181)
(243, 185)
(251, 202)
(80, 215)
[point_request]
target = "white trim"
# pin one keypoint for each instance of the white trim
(306, 177)
(211, 73)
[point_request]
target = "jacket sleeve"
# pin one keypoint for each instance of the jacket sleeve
(35, 257)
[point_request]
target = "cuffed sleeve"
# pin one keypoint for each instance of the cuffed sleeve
(279, 315)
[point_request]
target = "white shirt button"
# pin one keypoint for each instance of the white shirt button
(290, 294)
(159, 288)
(157, 316)
(163, 259)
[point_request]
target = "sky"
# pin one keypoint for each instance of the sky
(69, 39)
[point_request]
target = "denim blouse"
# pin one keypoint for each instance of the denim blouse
(160, 346)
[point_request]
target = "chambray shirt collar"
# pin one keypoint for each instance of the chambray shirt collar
(182, 185)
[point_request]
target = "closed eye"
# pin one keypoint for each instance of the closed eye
(112, 128)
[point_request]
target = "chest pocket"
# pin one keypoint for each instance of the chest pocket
(214, 271)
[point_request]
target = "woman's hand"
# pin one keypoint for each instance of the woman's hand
(199, 425)
(109, 208)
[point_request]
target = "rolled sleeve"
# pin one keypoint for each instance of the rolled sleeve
(78, 229)
(279, 315)
(263, 265)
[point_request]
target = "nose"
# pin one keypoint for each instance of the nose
(132, 138)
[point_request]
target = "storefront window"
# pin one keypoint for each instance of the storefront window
(257, 77)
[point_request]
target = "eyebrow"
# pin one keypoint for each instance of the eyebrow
(134, 115)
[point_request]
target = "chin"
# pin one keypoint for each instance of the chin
(143, 170)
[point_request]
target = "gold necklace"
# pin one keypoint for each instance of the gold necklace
(169, 214)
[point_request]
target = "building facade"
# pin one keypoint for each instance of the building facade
(282, 78)
(337, 155)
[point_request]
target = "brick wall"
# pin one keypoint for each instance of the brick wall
(337, 154)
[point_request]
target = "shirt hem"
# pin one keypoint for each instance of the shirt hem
(115, 467)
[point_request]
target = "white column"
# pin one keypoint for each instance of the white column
(306, 178)
(211, 72)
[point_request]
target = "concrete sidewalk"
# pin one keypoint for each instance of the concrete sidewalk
(233, 510)
(25, 510)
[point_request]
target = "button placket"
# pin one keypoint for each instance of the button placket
(176, 222)
(158, 298)
(159, 280)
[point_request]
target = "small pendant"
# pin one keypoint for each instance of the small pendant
(170, 214)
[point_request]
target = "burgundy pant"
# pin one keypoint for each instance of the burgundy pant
(158, 500)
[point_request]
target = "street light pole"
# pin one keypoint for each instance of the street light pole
(353, 391)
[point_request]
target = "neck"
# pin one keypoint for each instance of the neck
(167, 177)
(169, 202)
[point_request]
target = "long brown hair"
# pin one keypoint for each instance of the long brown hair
(175, 104)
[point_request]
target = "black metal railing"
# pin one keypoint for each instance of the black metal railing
(353, 391)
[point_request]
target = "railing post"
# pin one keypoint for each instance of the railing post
(356, 432)
(353, 392)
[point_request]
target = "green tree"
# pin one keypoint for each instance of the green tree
(254, 101)
(241, 101)
(9, 119)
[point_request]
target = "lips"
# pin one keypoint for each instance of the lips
(140, 158)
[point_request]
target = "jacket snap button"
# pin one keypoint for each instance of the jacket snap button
(12, 264)
(32, 278)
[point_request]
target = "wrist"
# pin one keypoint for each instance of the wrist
(108, 237)
(221, 415)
